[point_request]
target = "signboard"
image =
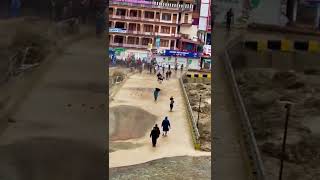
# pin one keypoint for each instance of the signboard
(194, 64)
(117, 30)
(207, 50)
(118, 51)
(179, 54)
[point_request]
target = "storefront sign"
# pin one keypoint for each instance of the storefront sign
(179, 54)
(117, 30)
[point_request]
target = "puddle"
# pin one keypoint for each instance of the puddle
(129, 122)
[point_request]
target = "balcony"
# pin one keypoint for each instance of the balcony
(133, 18)
(152, 5)
(116, 30)
(189, 22)
(129, 45)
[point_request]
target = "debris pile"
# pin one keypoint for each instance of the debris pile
(262, 91)
(194, 90)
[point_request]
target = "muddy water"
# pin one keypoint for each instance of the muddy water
(182, 167)
(129, 122)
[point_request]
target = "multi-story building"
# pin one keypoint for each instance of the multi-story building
(143, 25)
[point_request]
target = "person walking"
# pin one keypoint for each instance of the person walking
(169, 67)
(176, 68)
(155, 133)
(165, 126)
(163, 68)
(229, 17)
(171, 103)
(167, 75)
(156, 94)
(181, 68)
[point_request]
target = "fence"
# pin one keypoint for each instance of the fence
(195, 131)
(252, 147)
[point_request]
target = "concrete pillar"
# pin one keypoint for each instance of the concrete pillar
(126, 40)
(115, 11)
(175, 44)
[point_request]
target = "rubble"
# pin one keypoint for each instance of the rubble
(194, 90)
(262, 91)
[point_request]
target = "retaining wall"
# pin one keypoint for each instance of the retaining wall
(247, 131)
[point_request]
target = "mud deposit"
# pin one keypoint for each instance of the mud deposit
(194, 90)
(174, 168)
(129, 122)
(262, 89)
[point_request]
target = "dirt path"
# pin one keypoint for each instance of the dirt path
(188, 168)
(58, 130)
(138, 92)
(228, 154)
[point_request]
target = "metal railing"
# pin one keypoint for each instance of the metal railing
(250, 140)
(149, 33)
(195, 130)
(128, 45)
(155, 5)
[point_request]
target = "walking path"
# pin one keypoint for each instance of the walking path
(177, 143)
(229, 161)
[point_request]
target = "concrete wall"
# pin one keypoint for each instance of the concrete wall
(224, 5)
(267, 12)
(191, 31)
(280, 60)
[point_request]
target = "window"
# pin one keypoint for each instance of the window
(133, 13)
(121, 12)
(186, 18)
(131, 40)
(119, 39)
(165, 30)
(148, 28)
(146, 41)
(132, 27)
(110, 11)
(164, 43)
(149, 15)
(120, 25)
(166, 17)
(110, 24)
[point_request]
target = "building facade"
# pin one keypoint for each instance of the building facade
(144, 25)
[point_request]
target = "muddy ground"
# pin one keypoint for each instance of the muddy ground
(262, 90)
(173, 168)
(194, 90)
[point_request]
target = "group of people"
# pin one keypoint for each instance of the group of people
(155, 132)
(164, 74)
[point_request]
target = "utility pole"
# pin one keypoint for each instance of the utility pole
(199, 112)
(288, 107)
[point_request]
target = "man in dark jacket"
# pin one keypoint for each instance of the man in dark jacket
(155, 135)
(165, 126)
(229, 17)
